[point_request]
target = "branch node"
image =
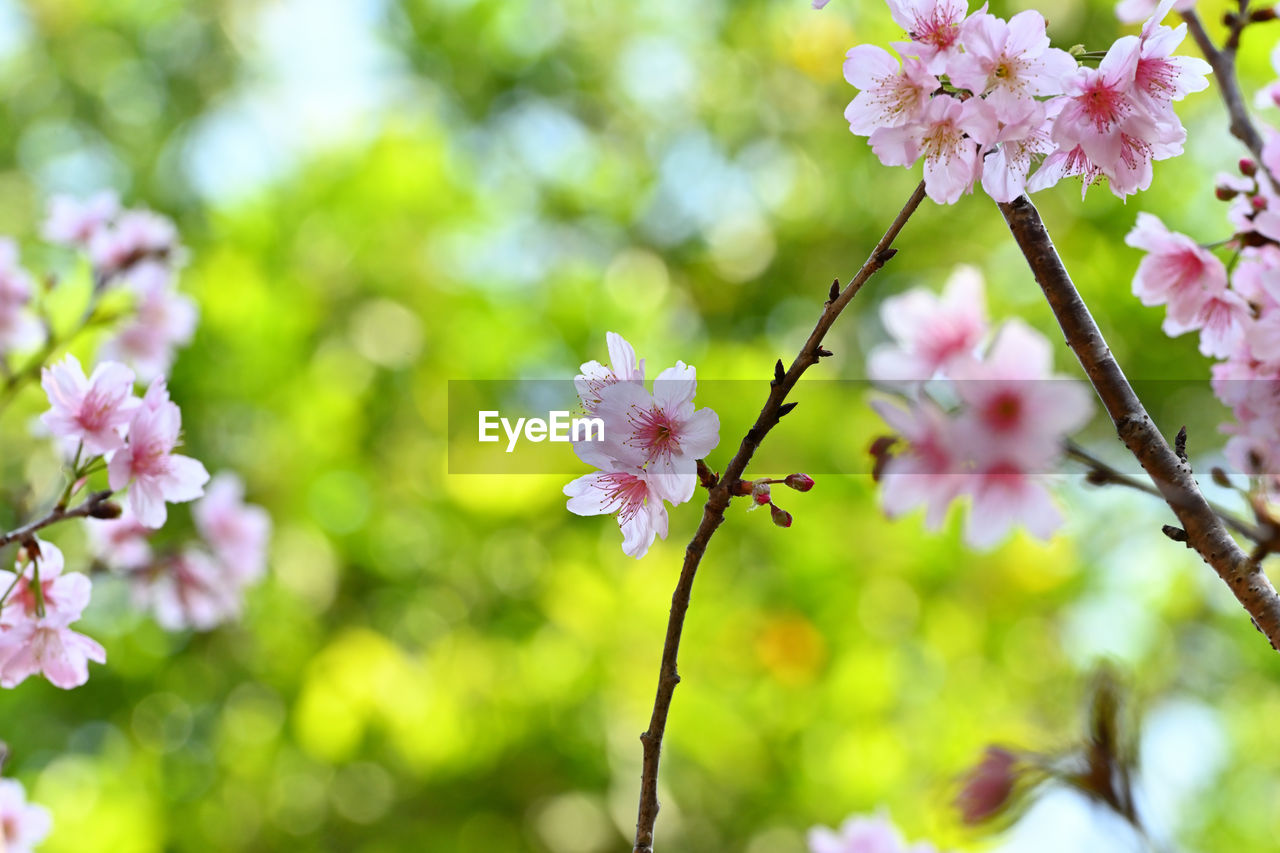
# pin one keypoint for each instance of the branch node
(835, 291)
(779, 373)
(1177, 534)
(786, 409)
(1180, 444)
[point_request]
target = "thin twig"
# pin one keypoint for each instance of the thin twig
(713, 514)
(1103, 474)
(1223, 62)
(1171, 476)
(86, 509)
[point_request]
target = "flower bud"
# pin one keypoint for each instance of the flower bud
(105, 509)
(1258, 202)
(1220, 478)
(760, 494)
(988, 787)
(781, 517)
(1248, 168)
(1224, 193)
(1258, 16)
(799, 482)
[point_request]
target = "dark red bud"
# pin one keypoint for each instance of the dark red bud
(799, 482)
(1224, 193)
(989, 786)
(1248, 168)
(781, 517)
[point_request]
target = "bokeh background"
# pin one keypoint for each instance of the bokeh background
(381, 196)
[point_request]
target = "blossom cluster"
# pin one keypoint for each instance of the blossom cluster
(1235, 309)
(650, 448)
(983, 99)
(139, 249)
(980, 415)
(113, 434)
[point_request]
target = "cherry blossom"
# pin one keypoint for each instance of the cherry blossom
(1009, 62)
(91, 410)
(1132, 11)
(236, 532)
(1016, 145)
(150, 469)
(34, 637)
(944, 136)
(662, 432)
(595, 377)
(628, 492)
(933, 27)
(1160, 78)
(134, 237)
(72, 222)
(930, 471)
(19, 329)
(190, 590)
(931, 333)
(890, 95)
(23, 825)
(121, 543)
(164, 319)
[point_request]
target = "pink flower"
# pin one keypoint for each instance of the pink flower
(942, 136)
(1017, 144)
(863, 835)
(1015, 408)
(930, 471)
(136, 236)
(23, 825)
(933, 27)
(164, 319)
(237, 532)
(1064, 163)
(820, 4)
(628, 492)
(32, 642)
(1101, 116)
(663, 432)
(595, 377)
(121, 543)
(90, 410)
(1011, 61)
(1221, 319)
(19, 329)
(890, 96)
(1132, 11)
(150, 469)
(191, 590)
(1005, 495)
(931, 334)
(72, 222)
(1161, 78)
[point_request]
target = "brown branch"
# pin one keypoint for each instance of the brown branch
(1223, 62)
(718, 501)
(1171, 476)
(94, 506)
(1103, 474)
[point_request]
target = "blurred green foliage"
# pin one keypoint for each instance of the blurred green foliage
(454, 663)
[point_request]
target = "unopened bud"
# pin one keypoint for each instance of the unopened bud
(988, 787)
(1259, 16)
(1258, 202)
(799, 482)
(1220, 478)
(781, 517)
(1224, 193)
(105, 509)
(1248, 167)
(760, 494)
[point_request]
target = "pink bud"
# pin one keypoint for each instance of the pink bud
(781, 517)
(988, 787)
(1258, 202)
(1224, 193)
(799, 482)
(760, 494)
(1248, 168)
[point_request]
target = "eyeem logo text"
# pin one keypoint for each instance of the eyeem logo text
(558, 426)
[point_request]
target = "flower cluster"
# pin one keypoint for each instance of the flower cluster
(861, 834)
(115, 440)
(140, 249)
(202, 584)
(650, 447)
(983, 99)
(1235, 310)
(1002, 425)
